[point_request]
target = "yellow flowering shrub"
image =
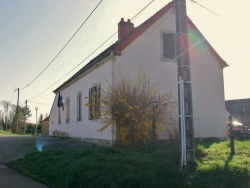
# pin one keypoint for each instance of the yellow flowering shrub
(136, 108)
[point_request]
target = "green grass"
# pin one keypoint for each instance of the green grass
(140, 167)
(6, 132)
(216, 167)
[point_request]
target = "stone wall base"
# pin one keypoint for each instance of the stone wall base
(100, 142)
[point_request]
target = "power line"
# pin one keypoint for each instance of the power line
(12, 96)
(142, 9)
(206, 8)
(91, 53)
(64, 45)
(74, 67)
(39, 103)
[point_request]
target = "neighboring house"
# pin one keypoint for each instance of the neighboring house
(151, 45)
(240, 110)
(45, 127)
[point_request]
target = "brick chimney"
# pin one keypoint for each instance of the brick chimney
(124, 28)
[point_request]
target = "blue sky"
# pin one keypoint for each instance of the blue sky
(33, 31)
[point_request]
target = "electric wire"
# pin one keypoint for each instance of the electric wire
(106, 42)
(63, 46)
(38, 103)
(74, 67)
(142, 9)
(91, 52)
(193, 1)
(12, 96)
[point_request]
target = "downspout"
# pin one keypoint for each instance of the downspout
(113, 80)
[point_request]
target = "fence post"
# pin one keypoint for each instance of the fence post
(231, 135)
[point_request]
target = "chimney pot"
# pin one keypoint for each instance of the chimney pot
(124, 28)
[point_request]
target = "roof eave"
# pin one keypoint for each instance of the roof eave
(85, 68)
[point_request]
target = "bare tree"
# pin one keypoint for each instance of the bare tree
(7, 113)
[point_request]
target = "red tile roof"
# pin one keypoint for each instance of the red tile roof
(143, 27)
(46, 119)
(148, 23)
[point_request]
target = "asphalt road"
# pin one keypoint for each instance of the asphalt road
(16, 147)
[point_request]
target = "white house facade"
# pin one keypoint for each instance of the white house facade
(151, 46)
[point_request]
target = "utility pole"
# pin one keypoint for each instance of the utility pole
(36, 121)
(17, 110)
(6, 118)
(25, 114)
(186, 129)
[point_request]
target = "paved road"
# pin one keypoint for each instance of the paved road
(15, 147)
(11, 179)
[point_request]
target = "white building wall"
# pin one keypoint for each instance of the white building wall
(145, 51)
(208, 96)
(85, 128)
(207, 76)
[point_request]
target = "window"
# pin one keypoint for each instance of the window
(59, 116)
(79, 106)
(67, 110)
(168, 44)
(94, 102)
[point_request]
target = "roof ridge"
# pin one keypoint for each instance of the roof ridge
(162, 10)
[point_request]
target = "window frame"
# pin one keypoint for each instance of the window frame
(163, 45)
(95, 105)
(67, 110)
(79, 106)
(59, 117)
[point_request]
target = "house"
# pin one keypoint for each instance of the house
(45, 127)
(151, 46)
(240, 110)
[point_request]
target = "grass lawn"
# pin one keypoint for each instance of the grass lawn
(6, 132)
(140, 167)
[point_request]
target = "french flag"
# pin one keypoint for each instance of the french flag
(60, 101)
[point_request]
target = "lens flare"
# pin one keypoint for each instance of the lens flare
(41, 142)
(197, 45)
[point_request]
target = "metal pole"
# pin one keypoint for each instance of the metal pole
(241, 115)
(153, 122)
(25, 114)
(184, 94)
(231, 135)
(17, 110)
(243, 109)
(36, 121)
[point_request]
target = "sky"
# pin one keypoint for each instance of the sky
(34, 31)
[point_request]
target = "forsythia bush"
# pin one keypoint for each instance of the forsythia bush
(136, 108)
